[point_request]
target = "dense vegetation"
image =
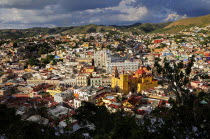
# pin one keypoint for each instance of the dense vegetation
(184, 121)
(13, 127)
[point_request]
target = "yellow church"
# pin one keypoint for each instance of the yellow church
(55, 90)
(137, 82)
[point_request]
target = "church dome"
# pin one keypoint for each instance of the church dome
(140, 71)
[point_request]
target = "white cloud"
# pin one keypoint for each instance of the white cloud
(53, 15)
(125, 11)
(133, 14)
(128, 12)
(174, 17)
(96, 20)
(13, 2)
(70, 12)
(30, 16)
(10, 15)
(23, 26)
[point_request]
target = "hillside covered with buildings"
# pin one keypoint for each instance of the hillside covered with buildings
(80, 84)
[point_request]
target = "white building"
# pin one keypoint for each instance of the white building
(60, 97)
(82, 80)
(59, 111)
(77, 103)
(72, 82)
(96, 81)
(126, 66)
(89, 93)
(104, 60)
(100, 58)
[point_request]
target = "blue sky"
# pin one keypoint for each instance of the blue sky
(51, 13)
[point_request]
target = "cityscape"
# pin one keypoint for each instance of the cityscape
(131, 80)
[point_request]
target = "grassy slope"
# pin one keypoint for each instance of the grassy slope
(185, 24)
(87, 29)
(198, 21)
(147, 27)
(135, 28)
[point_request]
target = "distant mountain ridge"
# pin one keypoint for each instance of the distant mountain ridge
(137, 28)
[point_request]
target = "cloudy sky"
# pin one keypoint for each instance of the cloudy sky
(51, 13)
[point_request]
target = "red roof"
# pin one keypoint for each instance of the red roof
(140, 71)
(141, 112)
(132, 77)
(196, 82)
(114, 106)
(134, 100)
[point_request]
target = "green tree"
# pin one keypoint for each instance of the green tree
(104, 123)
(48, 59)
(92, 38)
(33, 61)
(178, 80)
(157, 68)
(13, 127)
(40, 52)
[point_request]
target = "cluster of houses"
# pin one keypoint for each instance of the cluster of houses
(94, 68)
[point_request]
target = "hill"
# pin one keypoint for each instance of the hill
(87, 29)
(21, 33)
(136, 28)
(144, 28)
(186, 23)
(195, 21)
